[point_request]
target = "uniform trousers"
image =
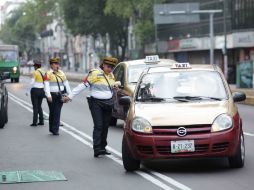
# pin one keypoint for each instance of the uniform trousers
(37, 95)
(101, 114)
(55, 112)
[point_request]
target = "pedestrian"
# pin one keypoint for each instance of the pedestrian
(37, 93)
(100, 81)
(56, 87)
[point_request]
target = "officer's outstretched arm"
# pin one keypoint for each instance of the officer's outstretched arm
(68, 89)
(77, 90)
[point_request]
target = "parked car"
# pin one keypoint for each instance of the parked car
(3, 99)
(128, 73)
(182, 111)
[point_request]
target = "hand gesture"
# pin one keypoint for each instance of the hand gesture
(49, 99)
(66, 99)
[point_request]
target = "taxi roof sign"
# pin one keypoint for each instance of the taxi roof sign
(152, 59)
(181, 66)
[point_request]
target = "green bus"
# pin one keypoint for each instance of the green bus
(9, 61)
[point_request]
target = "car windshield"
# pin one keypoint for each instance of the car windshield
(134, 72)
(181, 86)
(7, 56)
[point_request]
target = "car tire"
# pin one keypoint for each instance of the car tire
(129, 163)
(6, 112)
(113, 121)
(2, 119)
(12, 80)
(237, 160)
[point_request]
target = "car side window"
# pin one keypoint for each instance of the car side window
(116, 71)
(119, 74)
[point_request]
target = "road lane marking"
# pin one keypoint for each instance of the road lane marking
(143, 174)
(249, 134)
(117, 160)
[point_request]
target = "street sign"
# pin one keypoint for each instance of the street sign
(169, 13)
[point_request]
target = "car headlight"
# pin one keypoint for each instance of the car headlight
(141, 125)
(14, 69)
(222, 122)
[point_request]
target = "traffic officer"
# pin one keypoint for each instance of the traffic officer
(56, 87)
(100, 81)
(37, 93)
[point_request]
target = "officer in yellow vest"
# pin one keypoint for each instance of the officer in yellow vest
(100, 81)
(37, 93)
(56, 87)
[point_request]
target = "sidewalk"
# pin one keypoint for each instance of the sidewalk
(79, 76)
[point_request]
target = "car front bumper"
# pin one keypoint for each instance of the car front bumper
(219, 144)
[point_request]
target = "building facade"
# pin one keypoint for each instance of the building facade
(190, 41)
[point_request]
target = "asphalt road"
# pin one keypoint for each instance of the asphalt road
(33, 148)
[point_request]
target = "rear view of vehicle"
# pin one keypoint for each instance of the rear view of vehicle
(9, 61)
(183, 111)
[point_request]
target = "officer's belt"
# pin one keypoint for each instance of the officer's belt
(57, 93)
(98, 98)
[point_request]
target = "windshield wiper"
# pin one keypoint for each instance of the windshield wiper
(189, 98)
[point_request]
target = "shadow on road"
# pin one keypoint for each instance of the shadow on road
(189, 165)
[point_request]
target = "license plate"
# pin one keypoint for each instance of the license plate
(182, 146)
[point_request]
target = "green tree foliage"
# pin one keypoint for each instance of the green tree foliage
(141, 13)
(26, 22)
(87, 17)
(17, 31)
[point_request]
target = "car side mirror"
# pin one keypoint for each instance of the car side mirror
(239, 96)
(125, 101)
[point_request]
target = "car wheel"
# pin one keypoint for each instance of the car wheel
(113, 121)
(12, 80)
(6, 112)
(237, 161)
(2, 120)
(129, 163)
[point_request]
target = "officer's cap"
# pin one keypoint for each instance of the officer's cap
(54, 60)
(110, 60)
(37, 62)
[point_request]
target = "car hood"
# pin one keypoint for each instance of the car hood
(180, 113)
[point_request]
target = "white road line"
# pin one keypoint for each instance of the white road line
(249, 134)
(145, 175)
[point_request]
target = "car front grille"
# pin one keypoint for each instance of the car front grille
(145, 149)
(191, 129)
(219, 147)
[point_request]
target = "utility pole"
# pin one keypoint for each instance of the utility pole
(211, 33)
(155, 34)
(225, 39)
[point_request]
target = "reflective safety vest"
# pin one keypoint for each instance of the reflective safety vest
(52, 78)
(99, 84)
(38, 81)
